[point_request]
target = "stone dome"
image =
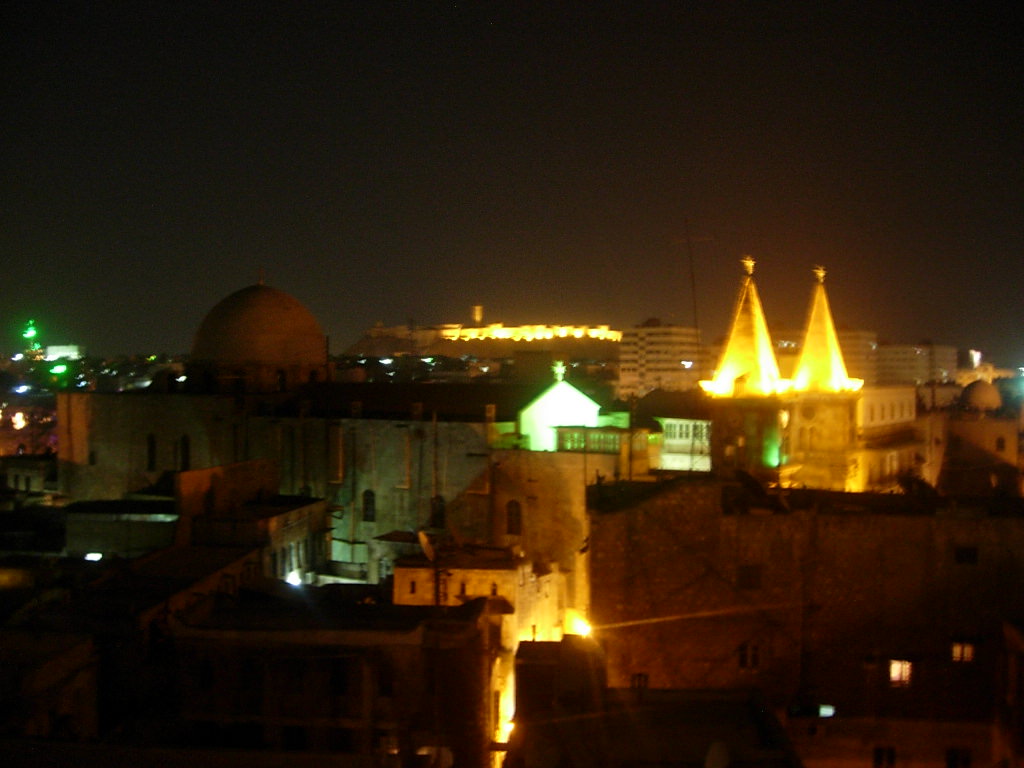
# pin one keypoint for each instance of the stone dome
(981, 396)
(263, 326)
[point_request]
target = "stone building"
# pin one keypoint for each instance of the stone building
(478, 461)
(871, 622)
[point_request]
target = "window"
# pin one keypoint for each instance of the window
(749, 656)
(958, 757)
(1000, 444)
(965, 555)
(748, 577)
(437, 512)
(962, 652)
(184, 454)
(412, 587)
(514, 518)
(899, 673)
(884, 757)
(369, 506)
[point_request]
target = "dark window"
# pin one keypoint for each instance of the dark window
(412, 587)
(514, 518)
(293, 738)
(884, 757)
(749, 656)
(339, 679)
(369, 506)
(748, 577)
(958, 757)
(1000, 444)
(185, 453)
(966, 555)
(437, 512)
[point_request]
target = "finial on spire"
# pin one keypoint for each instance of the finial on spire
(819, 272)
(748, 264)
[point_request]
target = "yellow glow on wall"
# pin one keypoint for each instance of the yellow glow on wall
(576, 624)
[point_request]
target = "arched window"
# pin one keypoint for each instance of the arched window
(369, 506)
(513, 518)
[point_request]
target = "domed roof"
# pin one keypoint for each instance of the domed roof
(981, 396)
(263, 326)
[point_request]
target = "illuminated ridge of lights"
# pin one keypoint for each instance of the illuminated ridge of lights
(748, 365)
(530, 332)
(821, 367)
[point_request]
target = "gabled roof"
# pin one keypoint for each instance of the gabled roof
(748, 365)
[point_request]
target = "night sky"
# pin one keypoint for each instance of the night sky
(404, 161)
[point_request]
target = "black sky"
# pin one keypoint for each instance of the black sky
(397, 161)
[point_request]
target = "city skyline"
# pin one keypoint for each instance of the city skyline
(393, 162)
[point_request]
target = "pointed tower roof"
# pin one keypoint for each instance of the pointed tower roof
(748, 365)
(821, 366)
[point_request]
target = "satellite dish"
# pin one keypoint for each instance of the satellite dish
(425, 545)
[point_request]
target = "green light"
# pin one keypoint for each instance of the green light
(30, 330)
(59, 369)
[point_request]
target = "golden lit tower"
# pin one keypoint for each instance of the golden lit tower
(820, 367)
(748, 365)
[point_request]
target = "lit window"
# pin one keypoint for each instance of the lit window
(899, 673)
(962, 652)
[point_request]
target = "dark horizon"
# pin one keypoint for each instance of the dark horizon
(395, 162)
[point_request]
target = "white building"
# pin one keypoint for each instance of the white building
(655, 356)
(915, 363)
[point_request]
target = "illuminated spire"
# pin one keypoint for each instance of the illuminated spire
(748, 365)
(821, 366)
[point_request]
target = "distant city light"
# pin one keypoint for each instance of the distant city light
(181, 379)
(686, 364)
(386, 361)
(59, 369)
(94, 556)
(294, 578)
(22, 389)
(826, 710)
(18, 357)
(19, 421)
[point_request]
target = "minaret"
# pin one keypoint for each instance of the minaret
(820, 367)
(748, 365)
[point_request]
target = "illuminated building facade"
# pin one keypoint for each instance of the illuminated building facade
(659, 356)
(490, 341)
